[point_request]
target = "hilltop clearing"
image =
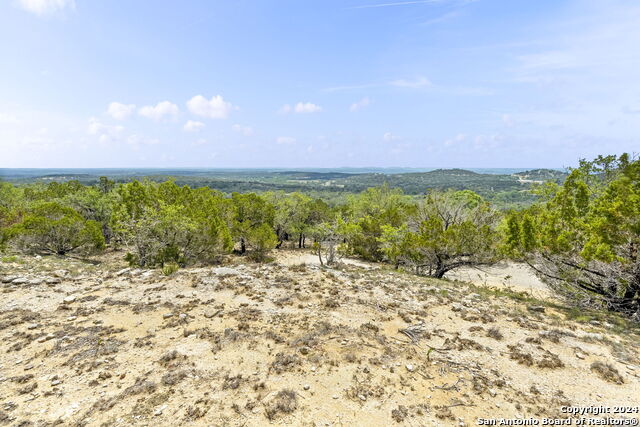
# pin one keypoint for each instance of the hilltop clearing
(243, 344)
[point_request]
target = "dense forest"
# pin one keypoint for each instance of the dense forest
(580, 232)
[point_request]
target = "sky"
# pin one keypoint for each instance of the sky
(317, 83)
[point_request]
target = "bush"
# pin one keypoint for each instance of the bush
(170, 268)
(53, 228)
(164, 223)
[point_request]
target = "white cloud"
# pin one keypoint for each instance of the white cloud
(105, 133)
(137, 140)
(455, 140)
(245, 130)
(285, 109)
(507, 120)
(583, 70)
(45, 7)
(120, 111)
(8, 119)
(300, 108)
(193, 126)
(420, 82)
(159, 111)
(285, 140)
(388, 136)
(364, 102)
(214, 108)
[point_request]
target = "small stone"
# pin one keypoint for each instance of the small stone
(56, 382)
(167, 315)
(20, 281)
(61, 273)
(71, 318)
(123, 271)
(335, 396)
(304, 350)
(32, 326)
(159, 410)
(492, 392)
(580, 356)
(536, 308)
(69, 299)
(410, 368)
(306, 386)
(362, 397)
(182, 316)
(46, 337)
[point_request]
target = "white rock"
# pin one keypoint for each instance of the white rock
(225, 271)
(123, 271)
(69, 299)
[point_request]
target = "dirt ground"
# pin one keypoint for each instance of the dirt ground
(290, 343)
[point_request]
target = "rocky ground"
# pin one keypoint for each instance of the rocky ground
(92, 342)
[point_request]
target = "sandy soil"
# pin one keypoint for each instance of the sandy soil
(287, 344)
(506, 275)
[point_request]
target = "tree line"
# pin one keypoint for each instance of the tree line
(581, 236)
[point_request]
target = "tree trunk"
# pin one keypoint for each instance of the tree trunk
(440, 268)
(300, 241)
(243, 247)
(439, 273)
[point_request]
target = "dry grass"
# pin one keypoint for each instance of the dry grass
(607, 372)
(284, 402)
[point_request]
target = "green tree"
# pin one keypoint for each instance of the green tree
(165, 223)
(368, 212)
(11, 210)
(52, 228)
(447, 231)
(252, 224)
(583, 236)
(328, 237)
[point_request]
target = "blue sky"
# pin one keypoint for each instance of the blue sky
(323, 83)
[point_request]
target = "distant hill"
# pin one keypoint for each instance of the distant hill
(504, 187)
(542, 175)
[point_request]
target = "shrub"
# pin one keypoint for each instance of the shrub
(53, 228)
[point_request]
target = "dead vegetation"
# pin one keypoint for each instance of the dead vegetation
(607, 372)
